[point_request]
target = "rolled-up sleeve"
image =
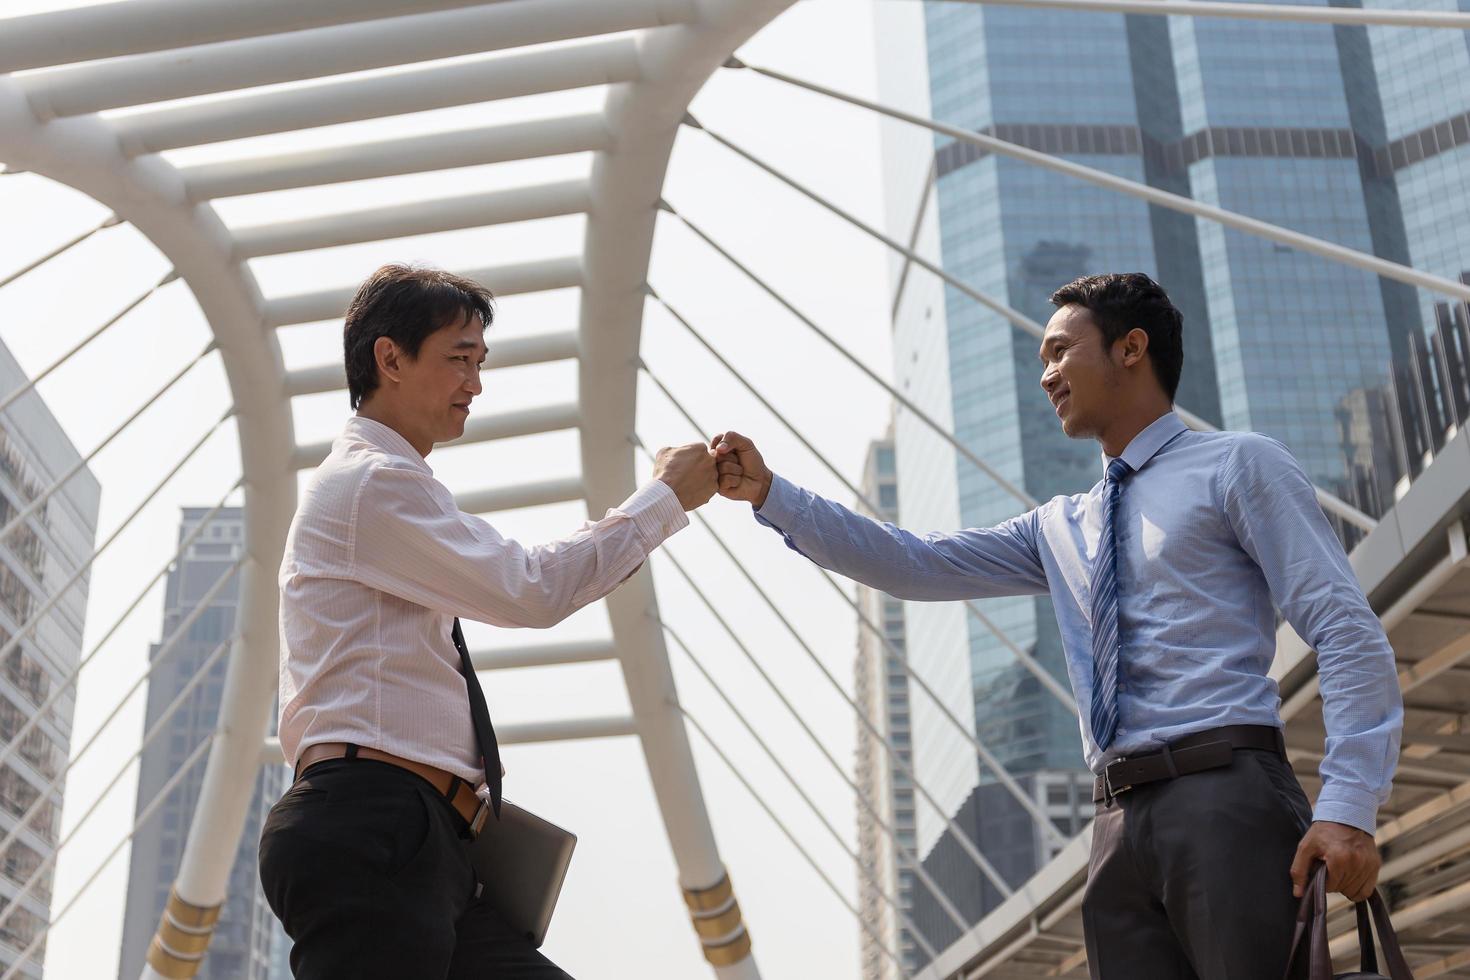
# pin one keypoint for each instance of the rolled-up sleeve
(970, 564)
(1272, 506)
(412, 541)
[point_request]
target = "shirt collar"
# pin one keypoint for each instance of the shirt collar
(1147, 443)
(383, 437)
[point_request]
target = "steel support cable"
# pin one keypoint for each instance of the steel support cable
(872, 880)
(1174, 202)
(178, 634)
(1252, 11)
(1042, 675)
(109, 222)
(199, 675)
(1328, 501)
(57, 693)
(143, 817)
(990, 761)
(30, 625)
(781, 826)
(79, 465)
(9, 399)
(1025, 498)
(961, 838)
(912, 860)
(1038, 816)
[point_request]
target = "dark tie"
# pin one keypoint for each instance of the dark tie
(480, 715)
(1105, 613)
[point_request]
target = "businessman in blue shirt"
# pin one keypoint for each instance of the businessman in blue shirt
(1165, 577)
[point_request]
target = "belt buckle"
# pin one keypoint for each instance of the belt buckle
(1114, 792)
(482, 815)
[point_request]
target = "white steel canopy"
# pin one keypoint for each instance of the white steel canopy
(653, 55)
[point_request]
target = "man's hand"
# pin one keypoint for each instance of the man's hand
(689, 471)
(743, 473)
(1350, 854)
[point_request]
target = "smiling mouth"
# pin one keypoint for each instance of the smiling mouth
(1060, 401)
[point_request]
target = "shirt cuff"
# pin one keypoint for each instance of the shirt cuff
(783, 500)
(1347, 805)
(655, 512)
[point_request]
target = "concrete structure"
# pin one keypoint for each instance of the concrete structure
(242, 947)
(40, 646)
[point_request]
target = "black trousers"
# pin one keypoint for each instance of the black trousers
(364, 865)
(1189, 878)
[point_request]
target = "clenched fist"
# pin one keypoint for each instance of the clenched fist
(743, 473)
(689, 471)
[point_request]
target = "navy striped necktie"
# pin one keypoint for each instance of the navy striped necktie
(1105, 613)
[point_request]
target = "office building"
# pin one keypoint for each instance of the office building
(38, 558)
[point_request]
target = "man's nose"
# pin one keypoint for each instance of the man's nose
(473, 385)
(1049, 379)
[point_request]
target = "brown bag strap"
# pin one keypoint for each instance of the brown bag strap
(1398, 967)
(1311, 922)
(1367, 957)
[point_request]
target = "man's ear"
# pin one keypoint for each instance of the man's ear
(389, 357)
(1135, 346)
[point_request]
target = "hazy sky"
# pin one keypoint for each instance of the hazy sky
(621, 915)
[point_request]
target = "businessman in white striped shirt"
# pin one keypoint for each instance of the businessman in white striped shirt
(395, 756)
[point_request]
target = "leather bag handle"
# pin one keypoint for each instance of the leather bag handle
(1398, 967)
(1311, 922)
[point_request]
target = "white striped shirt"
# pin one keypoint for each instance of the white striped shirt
(379, 561)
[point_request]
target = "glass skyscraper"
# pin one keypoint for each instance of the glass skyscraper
(1352, 135)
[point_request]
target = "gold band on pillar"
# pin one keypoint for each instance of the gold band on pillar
(717, 921)
(190, 916)
(719, 925)
(183, 937)
(726, 953)
(709, 899)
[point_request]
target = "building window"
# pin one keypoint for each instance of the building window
(27, 675)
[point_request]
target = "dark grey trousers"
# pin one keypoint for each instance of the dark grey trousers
(1190, 877)
(363, 864)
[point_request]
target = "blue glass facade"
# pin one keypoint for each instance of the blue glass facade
(1357, 136)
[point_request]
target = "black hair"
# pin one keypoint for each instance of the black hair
(1122, 301)
(405, 304)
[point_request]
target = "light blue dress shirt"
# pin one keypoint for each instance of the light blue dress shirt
(1213, 530)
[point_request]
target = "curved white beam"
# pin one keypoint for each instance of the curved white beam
(414, 218)
(559, 491)
(504, 352)
(469, 83)
(571, 728)
(389, 158)
(107, 30)
(485, 428)
(83, 153)
(544, 655)
(627, 183)
(611, 726)
(234, 65)
(504, 280)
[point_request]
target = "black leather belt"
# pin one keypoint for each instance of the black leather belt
(1211, 749)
